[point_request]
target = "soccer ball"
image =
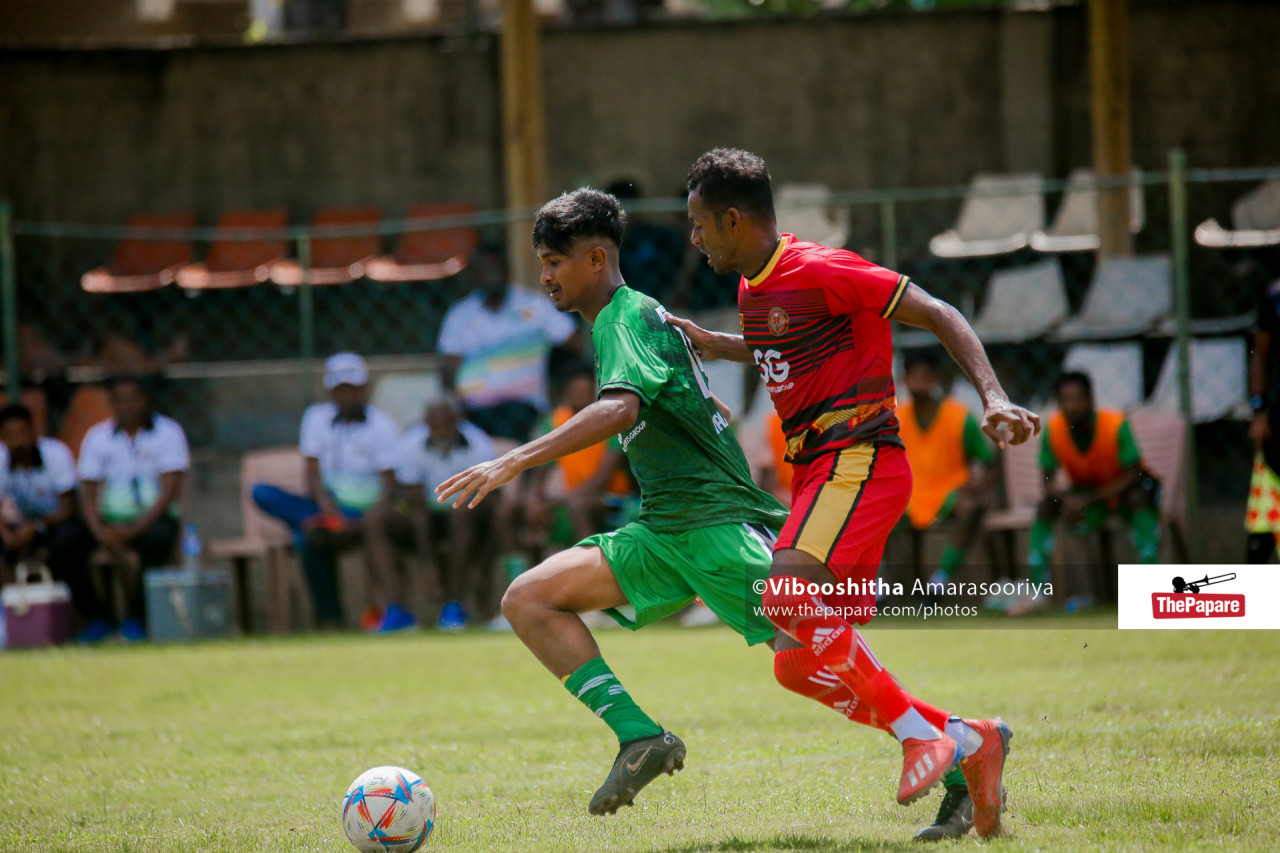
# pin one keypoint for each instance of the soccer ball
(388, 810)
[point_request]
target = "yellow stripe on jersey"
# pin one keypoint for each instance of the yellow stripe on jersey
(773, 262)
(857, 414)
(833, 505)
(903, 284)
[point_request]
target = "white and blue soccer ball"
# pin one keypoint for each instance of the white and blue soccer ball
(388, 810)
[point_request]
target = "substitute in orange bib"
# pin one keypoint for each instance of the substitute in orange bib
(951, 461)
(1097, 451)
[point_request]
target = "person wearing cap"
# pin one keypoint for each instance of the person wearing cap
(351, 452)
(496, 344)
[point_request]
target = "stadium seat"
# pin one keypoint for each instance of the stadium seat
(1218, 367)
(1255, 218)
(238, 263)
(403, 396)
(143, 262)
(334, 259)
(1075, 227)
(430, 254)
(1128, 296)
(1023, 303)
(998, 216)
(1023, 486)
(1116, 371)
(266, 539)
(1162, 440)
(805, 210)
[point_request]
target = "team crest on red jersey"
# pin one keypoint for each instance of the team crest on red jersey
(778, 320)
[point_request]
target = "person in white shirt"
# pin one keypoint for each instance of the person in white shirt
(38, 485)
(431, 452)
(496, 343)
(351, 450)
(132, 467)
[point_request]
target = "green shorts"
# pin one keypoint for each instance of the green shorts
(660, 573)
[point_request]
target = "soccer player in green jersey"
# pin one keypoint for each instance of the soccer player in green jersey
(705, 529)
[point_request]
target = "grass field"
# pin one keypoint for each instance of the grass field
(1125, 741)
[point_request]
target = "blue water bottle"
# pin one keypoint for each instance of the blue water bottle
(191, 547)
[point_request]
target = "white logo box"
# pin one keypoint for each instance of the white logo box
(1229, 597)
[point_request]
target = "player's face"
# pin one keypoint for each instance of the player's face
(705, 233)
(568, 277)
(921, 381)
(349, 398)
(128, 404)
(17, 435)
(1075, 404)
(442, 420)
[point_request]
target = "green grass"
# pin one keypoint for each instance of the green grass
(1123, 740)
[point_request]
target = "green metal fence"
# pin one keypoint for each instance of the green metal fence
(238, 366)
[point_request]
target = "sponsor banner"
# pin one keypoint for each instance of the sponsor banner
(1199, 597)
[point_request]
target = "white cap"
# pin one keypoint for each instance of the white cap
(345, 368)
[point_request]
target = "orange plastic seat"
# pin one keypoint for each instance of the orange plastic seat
(239, 263)
(338, 259)
(143, 263)
(431, 254)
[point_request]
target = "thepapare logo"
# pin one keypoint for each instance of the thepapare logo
(771, 369)
(626, 439)
(1187, 602)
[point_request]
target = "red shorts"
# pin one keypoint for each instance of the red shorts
(843, 505)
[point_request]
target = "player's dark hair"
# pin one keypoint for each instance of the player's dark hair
(584, 212)
(1073, 377)
(921, 358)
(16, 412)
(731, 177)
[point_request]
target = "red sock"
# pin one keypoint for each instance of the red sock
(841, 649)
(800, 672)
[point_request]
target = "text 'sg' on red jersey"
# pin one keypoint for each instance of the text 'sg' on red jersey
(816, 320)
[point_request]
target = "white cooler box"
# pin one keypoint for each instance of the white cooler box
(187, 605)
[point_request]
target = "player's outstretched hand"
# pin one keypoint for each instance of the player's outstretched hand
(481, 479)
(1023, 423)
(702, 340)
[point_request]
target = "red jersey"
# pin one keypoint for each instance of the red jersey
(816, 320)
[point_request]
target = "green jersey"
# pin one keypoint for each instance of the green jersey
(682, 451)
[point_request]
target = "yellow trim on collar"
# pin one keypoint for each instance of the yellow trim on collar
(773, 261)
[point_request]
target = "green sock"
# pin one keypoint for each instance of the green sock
(1144, 527)
(954, 777)
(952, 556)
(598, 688)
(1041, 539)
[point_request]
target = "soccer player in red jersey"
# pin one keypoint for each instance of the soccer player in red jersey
(815, 320)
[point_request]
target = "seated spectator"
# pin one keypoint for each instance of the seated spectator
(432, 452)
(573, 495)
(351, 451)
(1097, 451)
(951, 463)
(496, 343)
(38, 479)
(132, 467)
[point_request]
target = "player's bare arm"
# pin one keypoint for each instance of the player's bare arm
(918, 308)
(611, 414)
(713, 345)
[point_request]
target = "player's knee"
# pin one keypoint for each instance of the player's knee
(525, 594)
